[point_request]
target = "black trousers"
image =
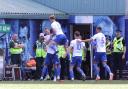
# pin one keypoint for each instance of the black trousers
(110, 61)
(118, 64)
(39, 65)
(16, 59)
(64, 68)
(87, 65)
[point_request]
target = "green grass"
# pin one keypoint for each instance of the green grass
(89, 84)
(67, 82)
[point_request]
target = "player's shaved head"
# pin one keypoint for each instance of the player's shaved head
(98, 29)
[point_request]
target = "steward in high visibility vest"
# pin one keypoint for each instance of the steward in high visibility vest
(109, 54)
(108, 46)
(118, 44)
(108, 49)
(63, 62)
(16, 48)
(61, 52)
(119, 50)
(83, 55)
(40, 51)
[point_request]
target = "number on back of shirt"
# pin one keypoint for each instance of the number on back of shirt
(78, 46)
(102, 40)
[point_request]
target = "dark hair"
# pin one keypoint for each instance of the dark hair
(77, 34)
(118, 30)
(99, 28)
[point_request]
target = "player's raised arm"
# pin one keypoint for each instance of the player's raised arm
(87, 40)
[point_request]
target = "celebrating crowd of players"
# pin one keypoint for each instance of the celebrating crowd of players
(52, 46)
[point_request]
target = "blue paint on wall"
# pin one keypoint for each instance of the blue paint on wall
(33, 36)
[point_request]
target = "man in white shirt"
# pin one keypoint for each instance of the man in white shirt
(51, 58)
(60, 38)
(100, 53)
(76, 48)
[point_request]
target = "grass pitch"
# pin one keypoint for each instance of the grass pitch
(88, 84)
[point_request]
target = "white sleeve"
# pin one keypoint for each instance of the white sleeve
(83, 44)
(71, 44)
(94, 37)
(53, 26)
